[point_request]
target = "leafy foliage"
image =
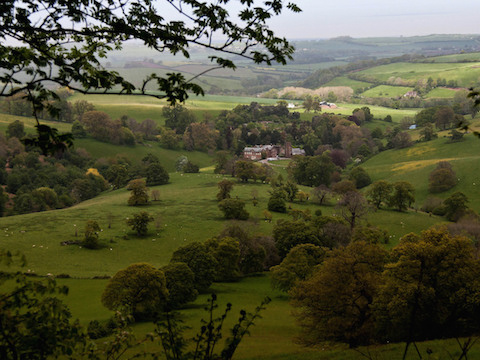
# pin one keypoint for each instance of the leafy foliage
(200, 261)
(176, 347)
(139, 290)
(180, 284)
(442, 178)
(298, 265)
(431, 288)
(139, 195)
(72, 37)
(139, 222)
(35, 324)
(233, 209)
(351, 275)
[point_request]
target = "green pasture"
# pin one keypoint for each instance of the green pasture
(466, 74)
(30, 122)
(273, 337)
(345, 81)
(148, 107)
(379, 112)
(187, 211)
(456, 58)
(440, 92)
(136, 153)
(414, 165)
(387, 91)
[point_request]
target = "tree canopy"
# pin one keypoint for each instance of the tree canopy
(139, 289)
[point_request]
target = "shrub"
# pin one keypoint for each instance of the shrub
(233, 209)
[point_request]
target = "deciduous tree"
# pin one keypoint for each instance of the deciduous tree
(225, 187)
(298, 265)
(200, 261)
(139, 222)
(431, 288)
(403, 195)
(156, 175)
(335, 303)
(442, 178)
(139, 192)
(233, 209)
(353, 206)
(180, 281)
(379, 193)
(140, 290)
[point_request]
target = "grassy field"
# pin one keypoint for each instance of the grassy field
(415, 164)
(30, 122)
(149, 107)
(345, 81)
(378, 112)
(466, 74)
(441, 93)
(387, 91)
(456, 58)
(187, 211)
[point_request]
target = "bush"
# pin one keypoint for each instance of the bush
(442, 178)
(360, 177)
(156, 175)
(191, 168)
(233, 209)
(277, 204)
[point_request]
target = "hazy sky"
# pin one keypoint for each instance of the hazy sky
(367, 18)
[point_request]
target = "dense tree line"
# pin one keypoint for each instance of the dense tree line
(425, 288)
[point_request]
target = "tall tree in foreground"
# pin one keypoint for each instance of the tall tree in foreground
(431, 289)
(335, 302)
(139, 290)
(35, 323)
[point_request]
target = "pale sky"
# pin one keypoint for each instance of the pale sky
(372, 18)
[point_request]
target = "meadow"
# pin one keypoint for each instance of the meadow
(387, 91)
(187, 211)
(466, 74)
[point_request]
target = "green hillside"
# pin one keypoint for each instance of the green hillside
(466, 74)
(415, 164)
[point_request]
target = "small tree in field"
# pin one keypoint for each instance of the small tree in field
(403, 195)
(442, 178)
(233, 209)
(91, 235)
(139, 222)
(139, 195)
(225, 187)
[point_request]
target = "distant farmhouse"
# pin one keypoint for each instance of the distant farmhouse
(259, 152)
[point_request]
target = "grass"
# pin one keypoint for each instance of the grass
(414, 165)
(187, 211)
(464, 73)
(441, 93)
(456, 58)
(30, 122)
(345, 81)
(378, 112)
(387, 91)
(136, 153)
(148, 107)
